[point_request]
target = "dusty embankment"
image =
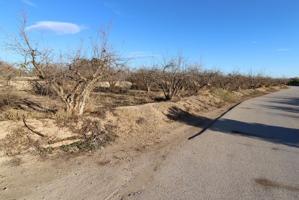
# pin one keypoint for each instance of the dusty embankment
(146, 134)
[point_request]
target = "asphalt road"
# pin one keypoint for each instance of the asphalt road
(252, 152)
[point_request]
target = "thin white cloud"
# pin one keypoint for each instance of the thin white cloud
(60, 28)
(29, 3)
(282, 49)
(142, 54)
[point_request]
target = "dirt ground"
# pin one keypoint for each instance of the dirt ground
(146, 134)
(104, 174)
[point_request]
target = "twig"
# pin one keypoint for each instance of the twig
(31, 129)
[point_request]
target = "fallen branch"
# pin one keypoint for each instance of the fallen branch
(64, 139)
(31, 129)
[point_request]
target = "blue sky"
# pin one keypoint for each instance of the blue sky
(260, 36)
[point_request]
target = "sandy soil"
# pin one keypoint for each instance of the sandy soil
(98, 175)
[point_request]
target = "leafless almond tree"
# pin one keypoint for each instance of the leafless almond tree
(144, 77)
(172, 77)
(7, 72)
(72, 82)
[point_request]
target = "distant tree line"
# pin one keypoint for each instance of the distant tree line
(294, 82)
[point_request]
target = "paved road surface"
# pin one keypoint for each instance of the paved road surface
(250, 153)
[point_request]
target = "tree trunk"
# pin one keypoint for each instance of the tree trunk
(82, 105)
(148, 89)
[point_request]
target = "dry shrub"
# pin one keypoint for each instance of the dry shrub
(224, 95)
(94, 136)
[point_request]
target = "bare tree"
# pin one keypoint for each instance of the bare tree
(195, 80)
(7, 72)
(172, 77)
(144, 78)
(72, 82)
(116, 74)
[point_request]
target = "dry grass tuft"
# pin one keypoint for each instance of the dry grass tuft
(16, 142)
(224, 95)
(14, 162)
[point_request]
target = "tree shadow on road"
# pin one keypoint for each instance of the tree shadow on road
(274, 134)
(284, 104)
(286, 101)
(290, 109)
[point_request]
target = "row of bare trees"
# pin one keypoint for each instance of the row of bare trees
(169, 77)
(176, 78)
(73, 81)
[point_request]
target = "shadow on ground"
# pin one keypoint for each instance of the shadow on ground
(283, 104)
(286, 101)
(282, 108)
(274, 134)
